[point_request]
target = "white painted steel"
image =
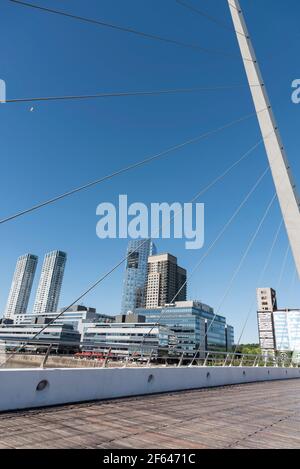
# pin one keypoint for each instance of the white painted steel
(285, 187)
(18, 387)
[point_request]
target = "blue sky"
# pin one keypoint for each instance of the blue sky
(64, 144)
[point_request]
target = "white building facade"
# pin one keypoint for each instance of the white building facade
(21, 286)
(49, 287)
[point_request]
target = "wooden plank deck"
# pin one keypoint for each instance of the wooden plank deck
(260, 415)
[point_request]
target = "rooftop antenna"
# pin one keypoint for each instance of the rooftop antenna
(281, 172)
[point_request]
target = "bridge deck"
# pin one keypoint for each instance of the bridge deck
(260, 415)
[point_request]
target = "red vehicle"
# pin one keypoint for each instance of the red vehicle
(90, 355)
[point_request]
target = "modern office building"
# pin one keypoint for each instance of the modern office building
(287, 330)
(166, 281)
(20, 290)
(126, 338)
(279, 329)
(79, 317)
(194, 326)
(49, 287)
(229, 338)
(63, 337)
(135, 280)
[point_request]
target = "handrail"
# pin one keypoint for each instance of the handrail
(158, 356)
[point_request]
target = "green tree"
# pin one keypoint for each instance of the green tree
(250, 349)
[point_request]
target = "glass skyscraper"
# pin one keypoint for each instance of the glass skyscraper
(194, 325)
(48, 291)
(135, 281)
(20, 290)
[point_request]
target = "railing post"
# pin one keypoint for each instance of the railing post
(255, 361)
(258, 360)
(106, 358)
(225, 362)
(181, 360)
(126, 361)
(149, 359)
(232, 360)
(206, 359)
(242, 360)
(43, 364)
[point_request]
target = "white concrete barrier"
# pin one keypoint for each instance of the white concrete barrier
(29, 388)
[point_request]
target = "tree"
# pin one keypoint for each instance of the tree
(249, 349)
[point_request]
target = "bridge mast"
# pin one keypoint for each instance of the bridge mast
(285, 188)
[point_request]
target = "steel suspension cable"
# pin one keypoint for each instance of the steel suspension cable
(143, 34)
(292, 284)
(238, 269)
(125, 169)
(124, 94)
(214, 243)
(261, 277)
(209, 17)
(203, 191)
(222, 232)
(283, 266)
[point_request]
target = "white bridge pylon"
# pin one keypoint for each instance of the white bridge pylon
(285, 188)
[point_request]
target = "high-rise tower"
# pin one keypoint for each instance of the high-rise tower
(48, 291)
(166, 281)
(20, 289)
(135, 282)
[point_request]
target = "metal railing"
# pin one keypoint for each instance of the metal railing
(223, 359)
(51, 354)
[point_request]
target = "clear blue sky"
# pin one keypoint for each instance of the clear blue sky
(64, 144)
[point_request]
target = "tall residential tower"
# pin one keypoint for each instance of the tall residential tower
(48, 291)
(20, 289)
(135, 282)
(166, 281)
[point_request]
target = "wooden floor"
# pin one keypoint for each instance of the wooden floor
(262, 415)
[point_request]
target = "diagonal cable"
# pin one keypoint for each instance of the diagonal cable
(209, 17)
(124, 94)
(213, 244)
(261, 277)
(106, 24)
(204, 190)
(125, 169)
(239, 267)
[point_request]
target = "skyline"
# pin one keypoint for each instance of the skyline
(147, 253)
(85, 120)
